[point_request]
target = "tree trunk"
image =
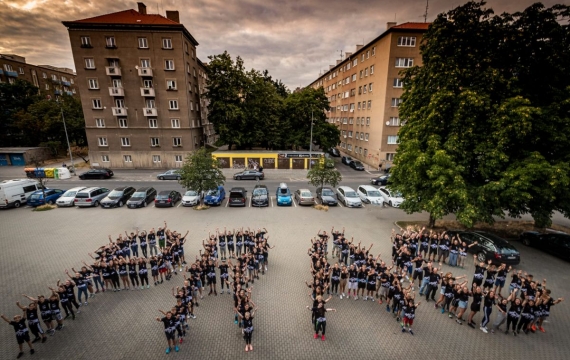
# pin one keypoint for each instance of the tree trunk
(431, 222)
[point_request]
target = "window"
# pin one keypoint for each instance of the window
(396, 102)
(192, 53)
(175, 123)
(21, 70)
(392, 139)
(127, 158)
(352, 107)
(349, 148)
(173, 104)
(352, 92)
(358, 120)
(47, 86)
(152, 123)
(374, 51)
(156, 158)
(154, 141)
(350, 134)
(371, 69)
(73, 90)
(364, 89)
(367, 121)
(54, 77)
(390, 156)
(120, 103)
(102, 141)
(404, 62)
(167, 43)
(86, 42)
(370, 87)
(191, 105)
(398, 83)
(362, 59)
(358, 106)
(350, 121)
(168, 64)
(44, 75)
(71, 81)
(348, 66)
(105, 158)
(100, 123)
(354, 63)
(125, 141)
(93, 84)
(394, 121)
(96, 103)
(176, 141)
(123, 123)
(145, 63)
(194, 69)
(178, 158)
(353, 77)
(368, 54)
(89, 63)
(369, 104)
(366, 72)
(147, 84)
(366, 137)
(143, 43)
(407, 41)
(110, 42)
(171, 84)
(361, 73)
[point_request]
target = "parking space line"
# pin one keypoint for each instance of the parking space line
(341, 205)
(250, 200)
(179, 204)
(227, 202)
(294, 203)
(271, 199)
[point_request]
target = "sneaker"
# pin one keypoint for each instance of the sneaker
(483, 329)
(365, 298)
(148, 286)
(91, 295)
(471, 325)
(533, 328)
(541, 329)
(380, 301)
(442, 310)
(78, 311)
(411, 332)
(403, 329)
(459, 322)
(323, 338)
(44, 340)
(142, 287)
(450, 316)
(176, 348)
(20, 354)
(316, 336)
(356, 298)
(193, 316)
(235, 322)
(73, 316)
(388, 308)
(168, 350)
(86, 303)
(492, 331)
(340, 296)
(180, 340)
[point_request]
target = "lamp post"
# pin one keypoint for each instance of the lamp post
(311, 144)
(67, 138)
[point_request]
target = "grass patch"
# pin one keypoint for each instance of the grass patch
(45, 207)
(321, 207)
(201, 207)
(505, 229)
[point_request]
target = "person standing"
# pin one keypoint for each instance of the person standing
(22, 334)
(320, 319)
(247, 328)
(169, 322)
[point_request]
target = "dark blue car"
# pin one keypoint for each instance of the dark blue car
(215, 196)
(37, 197)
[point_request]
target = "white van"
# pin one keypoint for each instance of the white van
(14, 193)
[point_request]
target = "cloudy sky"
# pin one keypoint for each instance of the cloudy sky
(294, 40)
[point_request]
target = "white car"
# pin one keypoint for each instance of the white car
(68, 198)
(191, 198)
(348, 197)
(393, 198)
(369, 194)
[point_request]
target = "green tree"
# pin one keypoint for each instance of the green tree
(201, 172)
(14, 98)
(484, 132)
(324, 173)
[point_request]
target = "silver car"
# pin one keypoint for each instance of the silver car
(347, 196)
(91, 196)
(169, 175)
(191, 198)
(304, 197)
(68, 198)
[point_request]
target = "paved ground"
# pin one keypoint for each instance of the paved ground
(38, 246)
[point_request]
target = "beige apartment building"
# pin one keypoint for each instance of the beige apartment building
(140, 83)
(365, 89)
(50, 80)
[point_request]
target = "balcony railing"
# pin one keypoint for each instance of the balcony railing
(113, 70)
(12, 73)
(57, 92)
(145, 71)
(149, 111)
(118, 111)
(65, 83)
(70, 93)
(116, 91)
(147, 91)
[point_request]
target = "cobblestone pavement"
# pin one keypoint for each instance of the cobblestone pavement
(38, 246)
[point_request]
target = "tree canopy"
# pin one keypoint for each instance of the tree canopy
(250, 108)
(488, 116)
(323, 173)
(201, 172)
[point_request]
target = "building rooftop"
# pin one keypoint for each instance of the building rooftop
(412, 25)
(127, 17)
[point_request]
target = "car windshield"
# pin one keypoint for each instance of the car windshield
(36, 196)
(139, 194)
(236, 195)
(374, 193)
(396, 194)
(69, 193)
(213, 192)
(358, 163)
(350, 194)
(306, 193)
(162, 196)
(283, 192)
(191, 193)
(82, 195)
(259, 191)
(327, 192)
(115, 194)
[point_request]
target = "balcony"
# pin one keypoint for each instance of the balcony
(117, 111)
(57, 92)
(116, 91)
(147, 92)
(113, 70)
(1, 72)
(70, 93)
(145, 71)
(56, 81)
(65, 83)
(11, 73)
(150, 111)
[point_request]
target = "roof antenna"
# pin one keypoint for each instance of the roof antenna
(340, 54)
(426, 13)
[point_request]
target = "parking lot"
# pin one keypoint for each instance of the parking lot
(38, 246)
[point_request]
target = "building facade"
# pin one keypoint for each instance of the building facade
(365, 89)
(140, 83)
(50, 80)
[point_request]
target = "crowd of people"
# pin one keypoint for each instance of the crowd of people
(118, 265)
(415, 256)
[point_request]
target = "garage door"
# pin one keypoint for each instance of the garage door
(252, 163)
(224, 162)
(17, 159)
(298, 163)
(283, 164)
(3, 160)
(269, 163)
(239, 163)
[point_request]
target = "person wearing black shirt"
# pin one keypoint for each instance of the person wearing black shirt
(501, 316)
(514, 313)
(319, 313)
(488, 302)
(475, 305)
(22, 335)
(434, 279)
(409, 314)
(247, 328)
(169, 321)
(31, 312)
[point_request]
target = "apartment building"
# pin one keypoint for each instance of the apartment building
(365, 89)
(50, 80)
(140, 82)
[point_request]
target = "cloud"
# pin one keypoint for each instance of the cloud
(294, 40)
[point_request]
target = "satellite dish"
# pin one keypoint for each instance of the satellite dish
(387, 123)
(136, 67)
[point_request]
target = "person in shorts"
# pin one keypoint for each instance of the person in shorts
(22, 333)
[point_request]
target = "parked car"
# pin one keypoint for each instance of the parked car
(348, 196)
(169, 175)
(380, 180)
(97, 174)
(357, 165)
(260, 196)
(191, 198)
(142, 197)
(557, 244)
(326, 196)
(304, 197)
(167, 198)
(90, 196)
(238, 197)
(215, 196)
(283, 195)
(118, 197)
(68, 198)
(489, 247)
(14, 193)
(334, 152)
(37, 197)
(249, 175)
(370, 195)
(392, 198)
(346, 160)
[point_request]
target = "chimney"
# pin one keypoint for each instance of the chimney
(142, 8)
(338, 62)
(390, 24)
(348, 54)
(331, 66)
(173, 15)
(358, 47)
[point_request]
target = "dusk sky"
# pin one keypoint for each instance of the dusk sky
(294, 40)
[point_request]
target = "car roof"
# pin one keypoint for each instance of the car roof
(346, 188)
(89, 189)
(489, 236)
(121, 188)
(325, 187)
(305, 189)
(143, 189)
(165, 192)
(79, 188)
(237, 189)
(260, 187)
(368, 187)
(283, 185)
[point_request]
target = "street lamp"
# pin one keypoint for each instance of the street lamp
(67, 138)
(311, 143)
